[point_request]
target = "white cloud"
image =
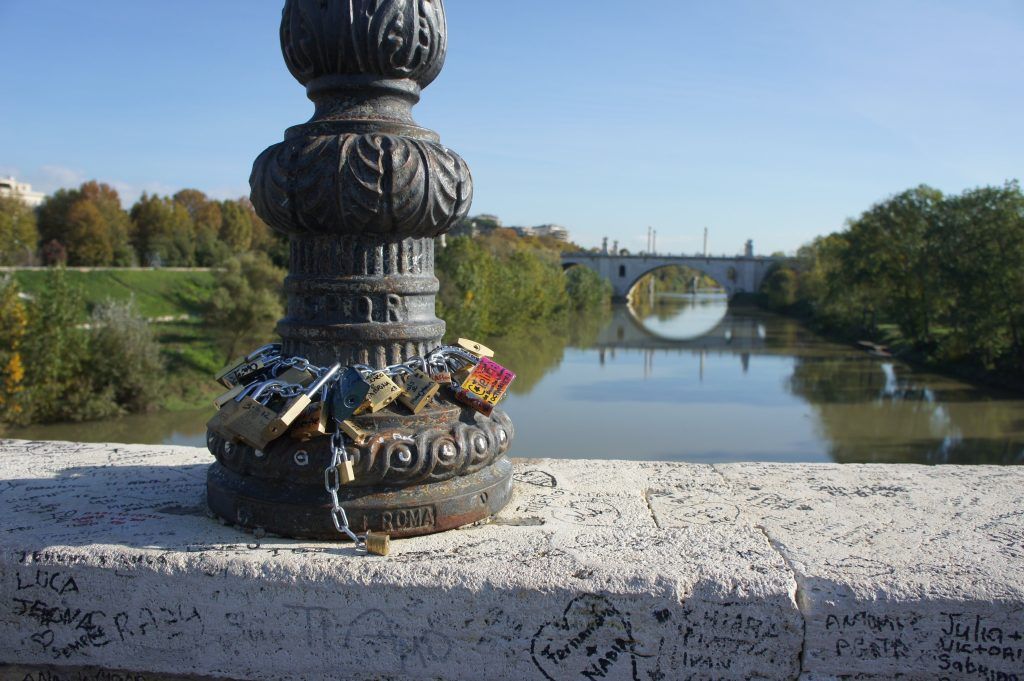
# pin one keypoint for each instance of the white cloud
(51, 178)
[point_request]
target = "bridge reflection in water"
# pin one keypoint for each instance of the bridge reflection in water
(693, 379)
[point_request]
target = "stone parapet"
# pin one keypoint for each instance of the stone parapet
(109, 564)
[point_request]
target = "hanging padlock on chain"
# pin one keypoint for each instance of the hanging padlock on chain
(270, 395)
(377, 543)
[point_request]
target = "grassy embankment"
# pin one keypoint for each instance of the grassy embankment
(189, 348)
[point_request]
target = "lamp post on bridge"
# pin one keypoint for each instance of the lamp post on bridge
(362, 191)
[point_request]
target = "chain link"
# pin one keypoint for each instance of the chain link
(444, 359)
(332, 483)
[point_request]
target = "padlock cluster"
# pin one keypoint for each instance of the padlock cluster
(270, 395)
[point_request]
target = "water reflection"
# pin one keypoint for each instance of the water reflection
(691, 379)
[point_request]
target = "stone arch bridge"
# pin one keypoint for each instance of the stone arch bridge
(736, 274)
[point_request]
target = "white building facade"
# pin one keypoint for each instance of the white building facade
(11, 187)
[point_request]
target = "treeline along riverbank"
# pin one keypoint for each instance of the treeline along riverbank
(79, 346)
(937, 278)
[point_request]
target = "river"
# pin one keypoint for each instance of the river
(692, 379)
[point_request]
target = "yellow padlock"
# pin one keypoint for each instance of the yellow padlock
(347, 472)
(312, 423)
(418, 389)
(353, 431)
(478, 349)
(378, 543)
(220, 401)
(383, 391)
(294, 407)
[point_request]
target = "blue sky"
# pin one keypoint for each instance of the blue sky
(767, 119)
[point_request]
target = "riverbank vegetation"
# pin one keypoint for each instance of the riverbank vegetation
(82, 345)
(938, 277)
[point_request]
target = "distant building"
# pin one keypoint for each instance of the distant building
(476, 225)
(553, 231)
(10, 187)
(485, 224)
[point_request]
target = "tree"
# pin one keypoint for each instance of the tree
(55, 387)
(892, 252)
(64, 217)
(982, 256)
(246, 301)
(19, 236)
(266, 240)
(125, 365)
(781, 287)
(164, 232)
(118, 224)
(207, 220)
(88, 239)
(13, 327)
(236, 228)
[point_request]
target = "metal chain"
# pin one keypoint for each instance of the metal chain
(332, 482)
(444, 359)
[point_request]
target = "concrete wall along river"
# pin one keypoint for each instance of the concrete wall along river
(596, 570)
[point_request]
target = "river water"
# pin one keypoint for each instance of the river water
(692, 379)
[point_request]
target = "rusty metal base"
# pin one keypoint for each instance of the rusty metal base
(303, 511)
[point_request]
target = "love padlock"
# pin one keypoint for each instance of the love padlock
(485, 385)
(348, 395)
(244, 421)
(357, 434)
(478, 349)
(221, 400)
(296, 406)
(418, 389)
(311, 423)
(383, 391)
(245, 370)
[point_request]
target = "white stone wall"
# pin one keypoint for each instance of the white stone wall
(596, 570)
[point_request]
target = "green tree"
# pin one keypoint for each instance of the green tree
(781, 287)
(55, 385)
(246, 301)
(587, 289)
(13, 327)
(236, 229)
(164, 232)
(19, 236)
(982, 254)
(265, 239)
(893, 254)
(125, 365)
(207, 221)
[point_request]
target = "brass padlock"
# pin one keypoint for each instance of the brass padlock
(346, 471)
(383, 391)
(418, 389)
(348, 395)
(301, 377)
(229, 395)
(311, 423)
(218, 423)
(356, 433)
(248, 423)
(485, 386)
(378, 543)
(246, 369)
(475, 348)
(294, 407)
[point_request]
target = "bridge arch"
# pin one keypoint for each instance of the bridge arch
(736, 275)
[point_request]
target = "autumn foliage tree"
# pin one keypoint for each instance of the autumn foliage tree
(18, 233)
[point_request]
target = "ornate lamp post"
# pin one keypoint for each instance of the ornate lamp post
(362, 191)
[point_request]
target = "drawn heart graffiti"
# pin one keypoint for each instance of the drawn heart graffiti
(592, 640)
